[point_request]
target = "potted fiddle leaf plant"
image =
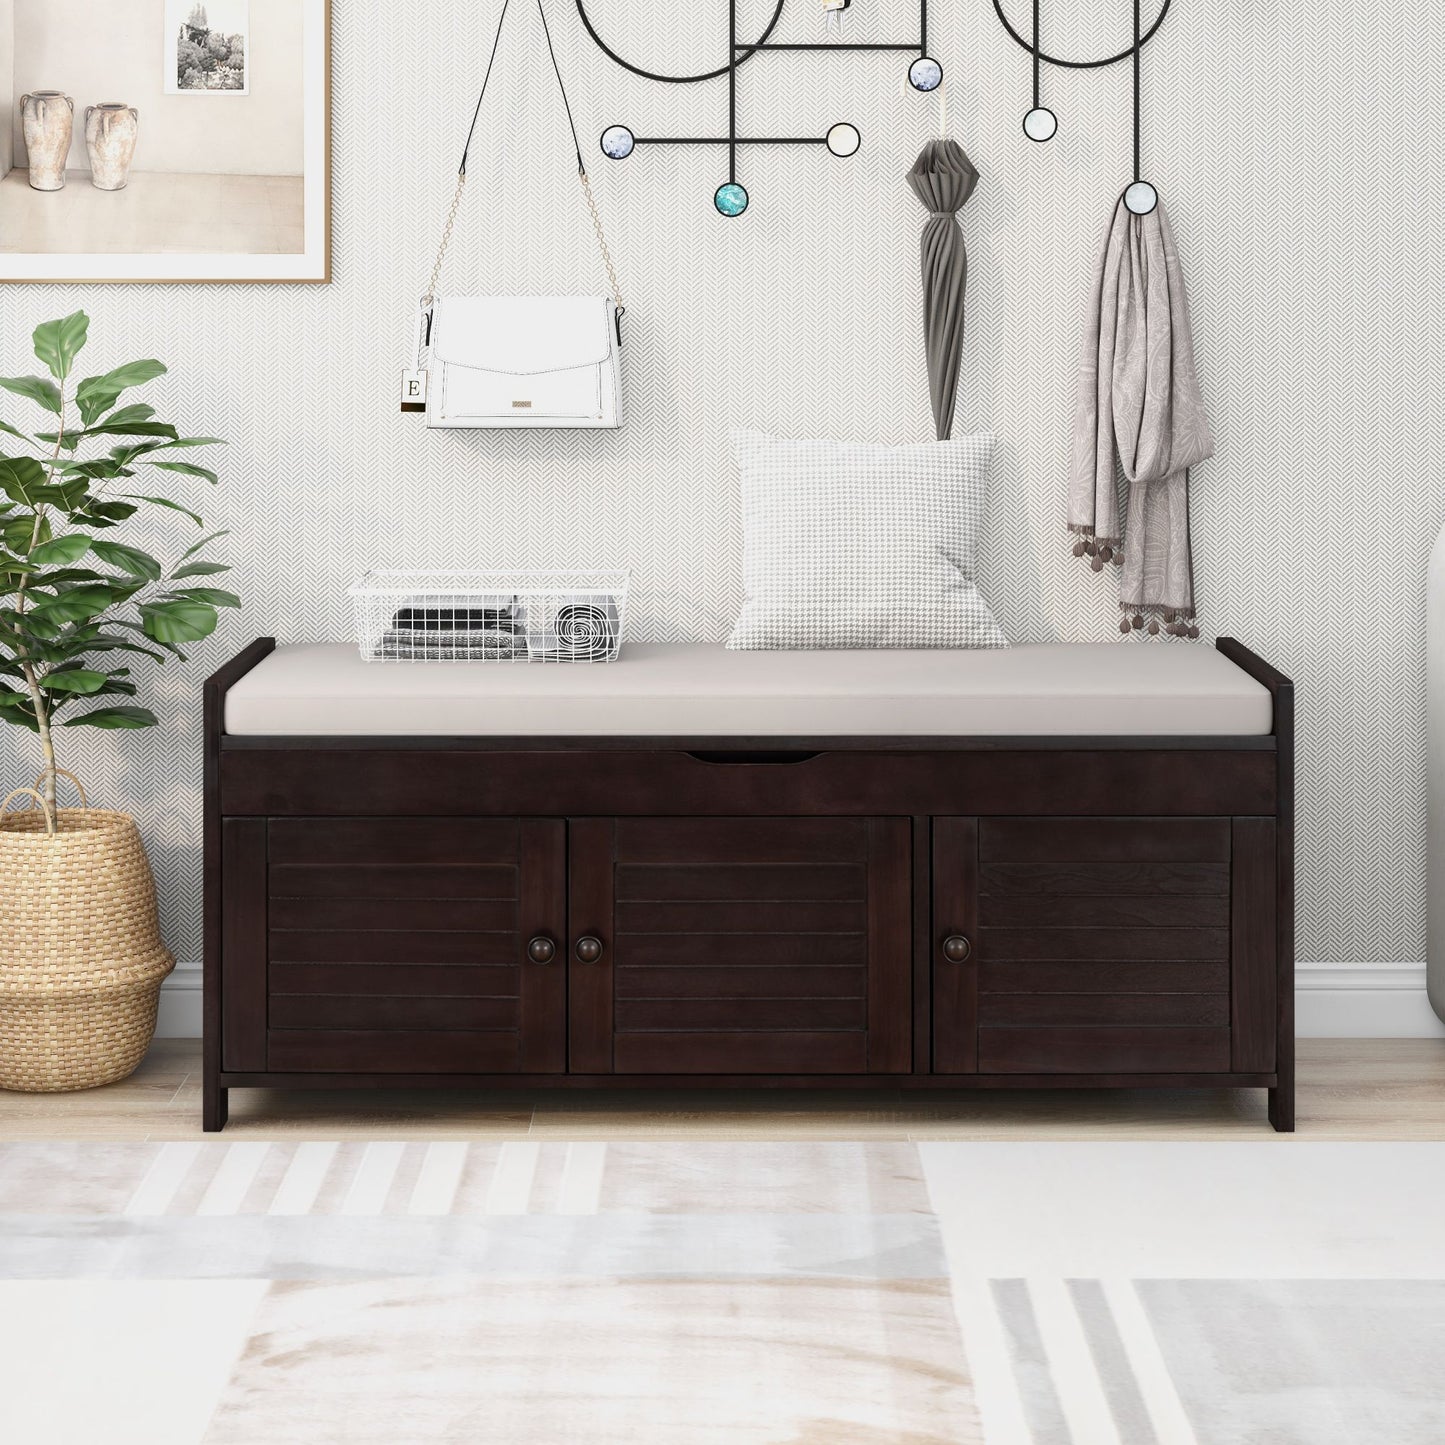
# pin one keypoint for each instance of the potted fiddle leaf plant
(81, 957)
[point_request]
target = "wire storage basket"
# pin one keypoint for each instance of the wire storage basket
(490, 616)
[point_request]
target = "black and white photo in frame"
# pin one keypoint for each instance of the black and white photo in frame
(178, 140)
(206, 47)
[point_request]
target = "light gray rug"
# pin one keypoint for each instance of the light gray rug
(665, 1293)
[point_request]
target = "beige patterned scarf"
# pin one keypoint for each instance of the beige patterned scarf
(1140, 414)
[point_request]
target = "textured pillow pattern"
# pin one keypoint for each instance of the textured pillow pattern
(847, 545)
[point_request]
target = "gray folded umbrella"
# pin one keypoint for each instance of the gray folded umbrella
(943, 178)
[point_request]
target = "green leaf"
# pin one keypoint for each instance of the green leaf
(137, 411)
(68, 496)
(97, 393)
(212, 596)
(110, 428)
(199, 569)
(130, 560)
(10, 431)
(76, 680)
(187, 470)
(62, 551)
(178, 621)
(37, 389)
(198, 442)
(66, 577)
(204, 542)
(17, 708)
(166, 502)
(109, 513)
(125, 455)
(107, 643)
(20, 479)
(114, 717)
(17, 532)
(36, 625)
(57, 343)
(104, 469)
(77, 605)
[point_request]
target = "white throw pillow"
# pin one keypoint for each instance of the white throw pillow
(846, 545)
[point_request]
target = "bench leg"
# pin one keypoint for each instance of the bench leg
(215, 1106)
(1281, 1108)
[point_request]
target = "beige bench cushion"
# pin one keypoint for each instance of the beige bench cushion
(702, 690)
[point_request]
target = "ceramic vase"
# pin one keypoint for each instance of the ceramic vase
(111, 129)
(47, 118)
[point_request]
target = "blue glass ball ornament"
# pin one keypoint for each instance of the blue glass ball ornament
(731, 199)
(617, 142)
(925, 74)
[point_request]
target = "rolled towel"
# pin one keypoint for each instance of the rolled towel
(477, 644)
(584, 630)
(417, 618)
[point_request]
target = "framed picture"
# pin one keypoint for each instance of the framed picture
(201, 153)
(206, 44)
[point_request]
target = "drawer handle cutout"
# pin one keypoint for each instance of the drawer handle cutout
(753, 758)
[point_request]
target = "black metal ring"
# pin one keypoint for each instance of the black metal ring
(1124, 54)
(717, 74)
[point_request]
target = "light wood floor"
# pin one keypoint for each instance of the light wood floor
(1348, 1089)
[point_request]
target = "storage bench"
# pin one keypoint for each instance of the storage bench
(1060, 866)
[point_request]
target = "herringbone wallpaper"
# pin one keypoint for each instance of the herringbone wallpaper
(1306, 223)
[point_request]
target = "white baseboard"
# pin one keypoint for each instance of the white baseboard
(1363, 1001)
(1332, 1001)
(180, 1011)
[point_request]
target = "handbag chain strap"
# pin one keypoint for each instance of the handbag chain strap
(451, 220)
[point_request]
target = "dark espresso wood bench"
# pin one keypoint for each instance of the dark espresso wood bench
(758, 883)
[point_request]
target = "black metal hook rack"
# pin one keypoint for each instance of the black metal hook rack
(1040, 124)
(925, 74)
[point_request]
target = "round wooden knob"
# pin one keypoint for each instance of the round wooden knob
(541, 949)
(589, 949)
(956, 948)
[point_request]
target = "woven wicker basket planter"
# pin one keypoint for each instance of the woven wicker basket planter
(81, 957)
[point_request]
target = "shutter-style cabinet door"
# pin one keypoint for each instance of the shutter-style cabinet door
(1103, 945)
(763, 946)
(397, 945)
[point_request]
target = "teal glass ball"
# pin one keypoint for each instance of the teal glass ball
(731, 199)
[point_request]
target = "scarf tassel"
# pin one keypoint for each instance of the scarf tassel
(1176, 621)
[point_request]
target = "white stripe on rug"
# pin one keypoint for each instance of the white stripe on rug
(372, 1181)
(580, 1191)
(166, 1174)
(1071, 1364)
(232, 1180)
(985, 1348)
(302, 1181)
(511, 1188)
(436, 1184)
(1146, 1359)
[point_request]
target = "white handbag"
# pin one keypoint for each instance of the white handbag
(518, 361)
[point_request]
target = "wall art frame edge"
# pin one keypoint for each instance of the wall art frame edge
(323, 256)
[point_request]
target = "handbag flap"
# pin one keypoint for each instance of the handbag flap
(522, 335)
